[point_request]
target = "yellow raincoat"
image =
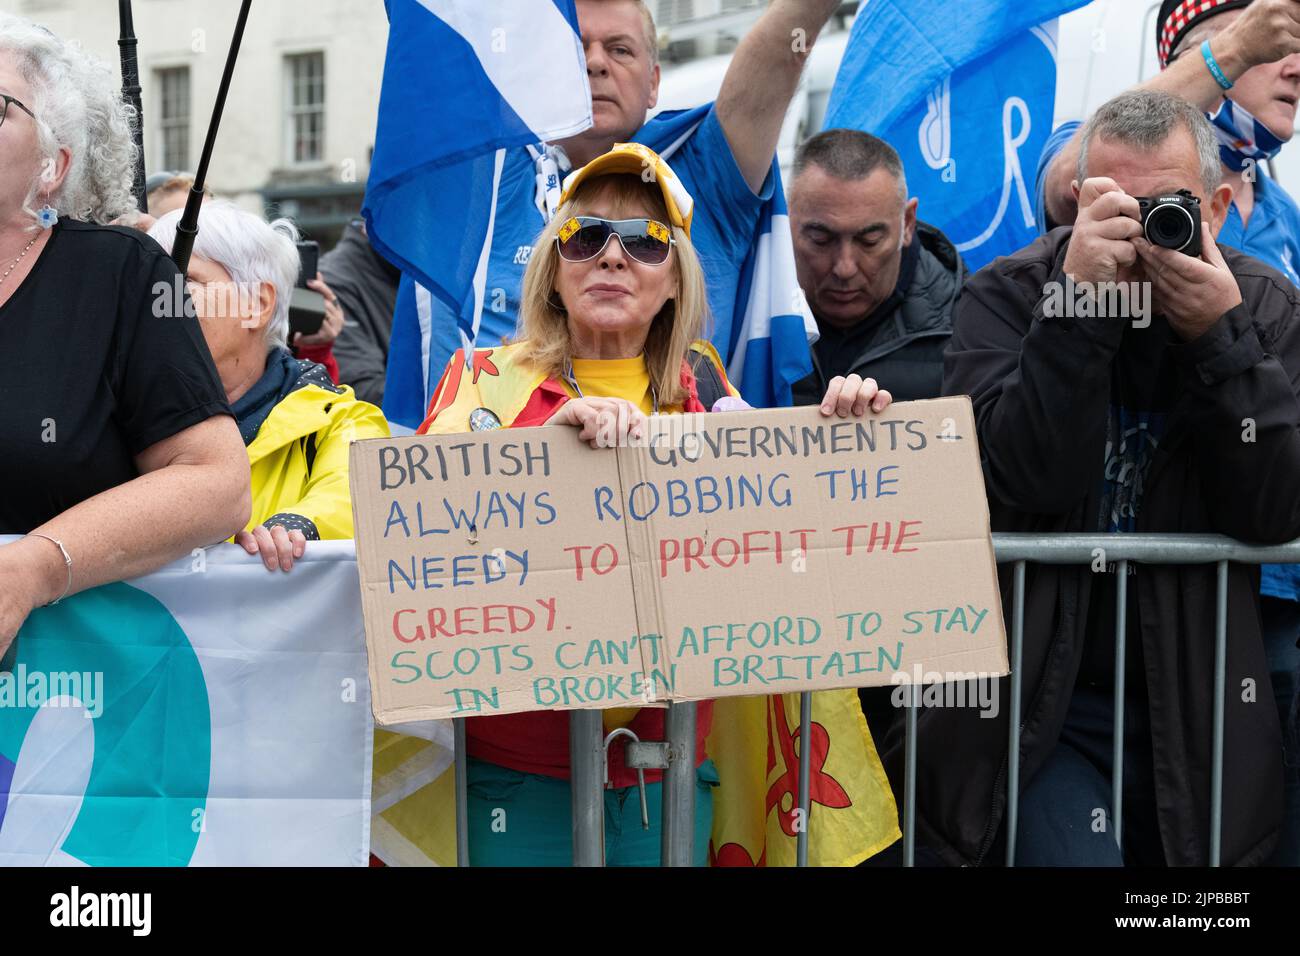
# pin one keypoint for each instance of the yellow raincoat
(317, 423)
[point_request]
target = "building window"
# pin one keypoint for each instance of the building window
(305, 107)
(675, 11)
(174, 118)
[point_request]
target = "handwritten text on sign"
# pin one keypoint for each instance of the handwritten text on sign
(743, 553)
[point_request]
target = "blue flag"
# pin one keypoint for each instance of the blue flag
(965, 92)
(770, 345)
(463, 82)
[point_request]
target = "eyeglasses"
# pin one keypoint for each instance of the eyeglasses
(4, 109)
(584, 237)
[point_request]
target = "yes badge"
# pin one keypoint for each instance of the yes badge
(483, 420)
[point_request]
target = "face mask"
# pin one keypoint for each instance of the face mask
(1242, 138)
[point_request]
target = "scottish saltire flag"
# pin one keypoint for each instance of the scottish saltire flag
(210, 714)
(965, 92)
(770, 345)
(464, 80)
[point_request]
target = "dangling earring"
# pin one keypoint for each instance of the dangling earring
(48, 216)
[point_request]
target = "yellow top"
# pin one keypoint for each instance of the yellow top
(614, 378)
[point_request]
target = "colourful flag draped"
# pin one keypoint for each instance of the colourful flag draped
(755, 744)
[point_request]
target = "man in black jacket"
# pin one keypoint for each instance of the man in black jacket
(880, 284)
(1179, 414)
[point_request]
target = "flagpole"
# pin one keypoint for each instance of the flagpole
(188, 227)
(131, 93)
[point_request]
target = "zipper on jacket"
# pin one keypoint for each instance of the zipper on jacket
(990, 829)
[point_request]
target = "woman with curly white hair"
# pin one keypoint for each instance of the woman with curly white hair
(118, 447)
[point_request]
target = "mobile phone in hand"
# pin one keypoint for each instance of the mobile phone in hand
(307, 306)
(309, 262)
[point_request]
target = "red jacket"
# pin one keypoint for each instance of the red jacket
(323, 354)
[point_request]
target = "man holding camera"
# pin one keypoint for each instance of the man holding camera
(1180, 415)
(1239, 61)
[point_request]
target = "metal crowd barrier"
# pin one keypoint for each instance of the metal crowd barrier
(587, 746)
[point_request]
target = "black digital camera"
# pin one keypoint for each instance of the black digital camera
(1173, 221)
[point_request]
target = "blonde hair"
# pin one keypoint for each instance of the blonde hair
(544, 323)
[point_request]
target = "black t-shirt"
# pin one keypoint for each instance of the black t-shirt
(97, 364)
(1144, 387)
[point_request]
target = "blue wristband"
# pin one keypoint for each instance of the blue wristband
(1213, 65)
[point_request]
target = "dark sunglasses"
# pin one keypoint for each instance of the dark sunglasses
(585, 237)
(4, 110)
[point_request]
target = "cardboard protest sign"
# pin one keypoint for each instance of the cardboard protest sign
(733, 554)
(468, 547)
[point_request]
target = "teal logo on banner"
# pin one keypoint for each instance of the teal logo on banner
(147, 793)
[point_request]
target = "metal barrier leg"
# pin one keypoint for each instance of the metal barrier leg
(1013, 743)
(1152, 549)
(678, 838)
(462, 793)
(805, 777)
(1117, 743)
(1220, 689)
(909, 779)
(586, 786)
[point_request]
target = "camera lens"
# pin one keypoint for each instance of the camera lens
(1170, 226)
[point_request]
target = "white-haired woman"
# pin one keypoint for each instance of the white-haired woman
(295, 422)
(119, 450)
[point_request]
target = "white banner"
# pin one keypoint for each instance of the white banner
(211, 714)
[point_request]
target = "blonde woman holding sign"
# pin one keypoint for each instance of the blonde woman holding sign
(611, 323)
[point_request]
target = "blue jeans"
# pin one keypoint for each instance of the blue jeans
(1066, 817)
(525, 819)
(1281, 629)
